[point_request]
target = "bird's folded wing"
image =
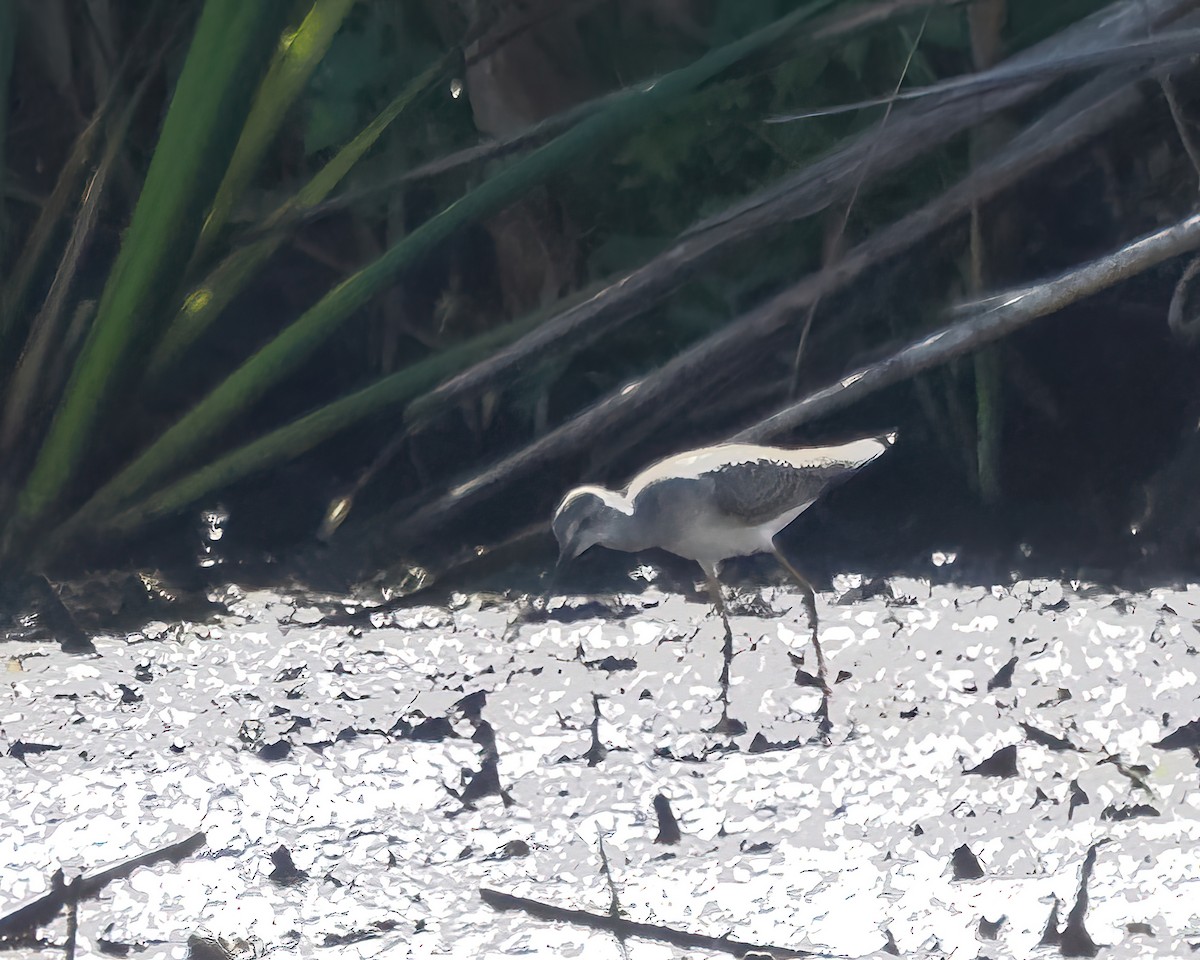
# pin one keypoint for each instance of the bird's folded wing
(758, 491)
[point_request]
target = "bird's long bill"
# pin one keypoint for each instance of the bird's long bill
(551, 587)
(567, 551)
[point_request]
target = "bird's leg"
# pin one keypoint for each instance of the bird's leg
(726, 725)
(810, 607)
(714, 591)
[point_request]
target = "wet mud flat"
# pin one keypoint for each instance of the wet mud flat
(1007, 772)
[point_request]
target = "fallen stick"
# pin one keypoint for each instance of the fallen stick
(620, 927)
(41, 910)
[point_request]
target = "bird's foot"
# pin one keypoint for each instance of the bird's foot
(727, 726)
(824, 724)
(806, 679)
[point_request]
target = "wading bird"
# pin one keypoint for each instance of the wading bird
(713, 503)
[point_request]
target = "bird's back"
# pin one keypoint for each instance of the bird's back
(731, 500)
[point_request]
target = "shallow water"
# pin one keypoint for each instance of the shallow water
(832, 846)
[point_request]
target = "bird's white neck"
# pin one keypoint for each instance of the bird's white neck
(616, 525)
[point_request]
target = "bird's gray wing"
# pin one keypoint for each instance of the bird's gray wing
(758, 491)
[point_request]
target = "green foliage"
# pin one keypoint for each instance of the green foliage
(359, 65)
(297, 56)
(1032, 20)
(264, 124)
(989, 421)
(8, 35)
(380, 47)
(180, 442)
(206, 301)
(205, 112)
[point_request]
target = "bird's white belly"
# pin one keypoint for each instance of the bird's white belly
(712, 545)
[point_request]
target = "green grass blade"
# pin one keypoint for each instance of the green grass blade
(36, 245)
(14, 293)
(226, 52)
(8, 23)
(989, 408)
(307, 432)
(297, 56)
(30, 388)
(293, 346)
(313, 429)
(204, 303)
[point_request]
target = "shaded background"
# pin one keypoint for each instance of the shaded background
(526, 167)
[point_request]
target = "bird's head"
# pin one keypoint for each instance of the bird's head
(582, 520)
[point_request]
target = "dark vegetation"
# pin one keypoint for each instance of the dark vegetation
(403, 266)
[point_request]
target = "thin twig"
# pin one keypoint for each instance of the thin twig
(984, 321)
(72, 895)
(914, 131)
(839, 24)
(1077, 119)
(629, 928)
(1185, 137)
(1184, 326)
(1182, 317)
(835, 247)
(29, 386)
(1166, 46)
(614, 904)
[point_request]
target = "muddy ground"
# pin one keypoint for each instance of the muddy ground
(982, 743)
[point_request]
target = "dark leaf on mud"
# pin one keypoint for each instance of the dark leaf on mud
(19, 749)
(668, 826)
(966, 865)
(1115, 814)
(286, 872)
(1186, 737)
(432, 730)
(1002, 763)
(275, 751)
(1004, 675)
(1044, 739)
(1079, 798)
